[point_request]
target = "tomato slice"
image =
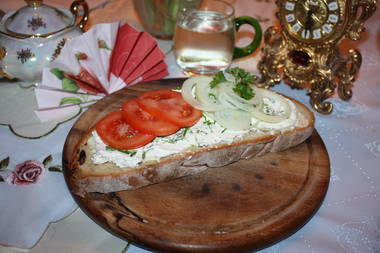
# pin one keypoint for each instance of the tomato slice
(144, 122)
(115, 132)
(169, 105)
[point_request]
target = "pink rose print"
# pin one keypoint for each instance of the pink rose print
(26, 173)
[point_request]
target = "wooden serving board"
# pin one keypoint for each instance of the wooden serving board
(247, 205)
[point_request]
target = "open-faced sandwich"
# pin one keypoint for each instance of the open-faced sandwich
(167, 134)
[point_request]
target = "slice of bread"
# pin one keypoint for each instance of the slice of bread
(108, 177)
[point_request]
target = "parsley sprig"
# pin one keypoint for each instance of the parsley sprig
(218, 78)
(242, 81)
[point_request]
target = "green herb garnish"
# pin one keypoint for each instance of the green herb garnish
(180, 135)
(244, 91)
(241, 76)
(212, 96)
(218, 78)
(128, 152)
(208, 122)
(267, 109)
(242, 81)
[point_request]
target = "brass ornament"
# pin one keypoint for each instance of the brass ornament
(3, 52)
(304, 50)
(34, 3)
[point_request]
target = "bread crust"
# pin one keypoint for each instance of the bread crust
(180, 165)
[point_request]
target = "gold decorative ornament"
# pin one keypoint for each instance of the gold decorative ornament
(34, 3)
(74, 8)
(304, 50)
(3, 53)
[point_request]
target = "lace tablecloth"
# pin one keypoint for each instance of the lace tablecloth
(348, 220)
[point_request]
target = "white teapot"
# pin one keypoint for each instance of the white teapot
(34, 35)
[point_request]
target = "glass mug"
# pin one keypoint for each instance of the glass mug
(159, 17)
(204, 37)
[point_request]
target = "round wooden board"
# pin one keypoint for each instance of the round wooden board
(247, 205)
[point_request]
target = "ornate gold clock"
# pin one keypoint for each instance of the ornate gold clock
(304, 50)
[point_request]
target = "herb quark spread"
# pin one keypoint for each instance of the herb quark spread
(206, 132)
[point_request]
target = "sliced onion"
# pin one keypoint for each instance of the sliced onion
(228, 108)
(202, 104)
(258, 97)
(228, 87)
(233, 119)
(203, 93)
(227, 93)
(232, 103)
(260, 115)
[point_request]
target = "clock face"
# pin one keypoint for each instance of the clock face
(311, 20)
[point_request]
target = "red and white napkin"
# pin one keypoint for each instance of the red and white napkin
(101, 61)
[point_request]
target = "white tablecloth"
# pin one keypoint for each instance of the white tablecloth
(348, 220)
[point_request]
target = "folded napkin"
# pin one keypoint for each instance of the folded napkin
(101, 61)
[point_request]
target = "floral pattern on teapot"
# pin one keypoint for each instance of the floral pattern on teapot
(25, 54)
(58, 48)
(36, 23)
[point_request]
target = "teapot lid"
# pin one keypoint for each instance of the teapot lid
(37, 18)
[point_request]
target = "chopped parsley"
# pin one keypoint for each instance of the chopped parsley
(208, 122)
(180, 135)
(128, 152)
(267, 107)
(268, 110)
(184, 132)
(212, 96)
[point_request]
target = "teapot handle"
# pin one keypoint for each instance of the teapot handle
(3, 52)
(74, 8)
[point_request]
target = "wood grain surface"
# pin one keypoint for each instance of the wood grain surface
(245, 206)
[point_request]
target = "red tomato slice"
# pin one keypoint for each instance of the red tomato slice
(169, 105)
(115, 132)
(144, 122)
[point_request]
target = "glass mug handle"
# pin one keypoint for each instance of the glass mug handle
(241, 52)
